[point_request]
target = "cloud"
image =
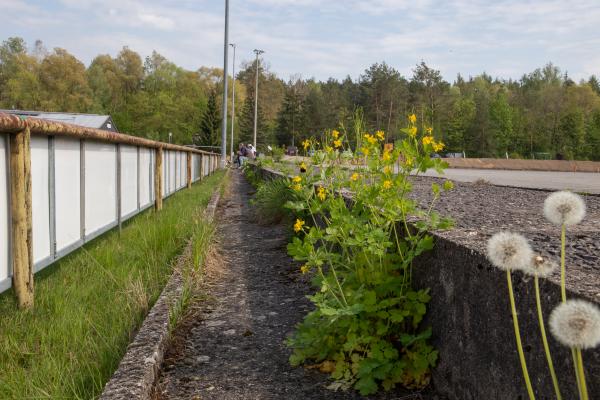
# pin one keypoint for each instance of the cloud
(322, 39)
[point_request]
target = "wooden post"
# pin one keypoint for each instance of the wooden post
(189, 170)
(21, 217)
(158, 179)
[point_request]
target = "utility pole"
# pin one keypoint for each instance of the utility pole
(224, 109)
(257, 52)
(232, 102)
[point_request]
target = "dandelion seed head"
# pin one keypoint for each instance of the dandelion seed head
(564, 208)
(576, 323)
(539, 266)
(507, 250)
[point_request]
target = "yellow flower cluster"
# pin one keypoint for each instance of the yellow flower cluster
(302, 166)
(412, 118)
(380, 135)
(365, 150)
(337, 143)
(386, 156)
(296, 183)
(306, 144)
(354, 177)
(387, 184)
(412, 131)
(427, 140)
(304, 269)
(437, 146)
(321, 193)
(298, 225)
(335, 134)
(371, 139)
(328, 149)
(387, 170)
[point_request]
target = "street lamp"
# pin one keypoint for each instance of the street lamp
(232, 102)
(257, 52)
(224, 109)
(170, 136)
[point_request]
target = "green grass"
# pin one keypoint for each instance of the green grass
(89, 305)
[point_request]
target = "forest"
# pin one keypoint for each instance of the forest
(544, 114)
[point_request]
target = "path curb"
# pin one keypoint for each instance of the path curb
(140, 366)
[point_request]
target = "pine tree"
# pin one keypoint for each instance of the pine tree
(246, 123)
(209, 127)
(289, 117)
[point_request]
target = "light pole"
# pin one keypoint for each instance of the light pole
(170, 136)
(232, 102)
(257, 52)
(224, 109)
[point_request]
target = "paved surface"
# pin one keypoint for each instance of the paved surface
(480, 210)
(584, 182)
(231, 346)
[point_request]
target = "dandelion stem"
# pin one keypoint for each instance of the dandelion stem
(518, 336)
(563, 239)
(577, 375)
(544, 339)
(584, 392)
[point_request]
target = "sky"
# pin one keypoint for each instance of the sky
(325, 38)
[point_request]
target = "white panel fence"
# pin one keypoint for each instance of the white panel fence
(80, 188)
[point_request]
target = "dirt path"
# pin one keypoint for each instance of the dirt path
(232, 343)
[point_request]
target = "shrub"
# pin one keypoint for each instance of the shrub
(366, 327)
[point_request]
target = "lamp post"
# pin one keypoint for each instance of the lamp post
(170, 136)
(224, 109)
(257, 52)
(232, 102)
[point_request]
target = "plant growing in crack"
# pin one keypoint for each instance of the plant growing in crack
(366, 329)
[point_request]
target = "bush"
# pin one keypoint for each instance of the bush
(366, 327)
(269, 201)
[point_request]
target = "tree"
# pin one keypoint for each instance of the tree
(289, 116)
(211, 123)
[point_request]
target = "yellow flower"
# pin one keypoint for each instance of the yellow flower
(298, 225)
(439, 146)
(387, 184)
(427, 140)
(387, 170)
(297, 179)
(354, 177)
(335, 134)
(296, 187)
(328, 149)
(321, 194)
(408, 162)
(306, 144)
(380, 135)
(386, 156)
(337, 143)
(365, 150)
(303, 166)
(429, 130)
(412, 131)
(304, 269)
(412, 118)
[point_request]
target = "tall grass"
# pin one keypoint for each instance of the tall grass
(89, 305)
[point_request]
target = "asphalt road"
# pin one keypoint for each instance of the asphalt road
(585, 182)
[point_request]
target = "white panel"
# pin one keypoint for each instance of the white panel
(128, 179)
(100, 186)
(172, 171)
(145, 165)
(184, 170)
(152, 164)
(195, 167)
(165, 170)
(4, 232)
(177, 170)
(40, 201)
(67, 168)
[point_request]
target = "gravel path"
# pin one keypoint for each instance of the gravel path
(231, 345)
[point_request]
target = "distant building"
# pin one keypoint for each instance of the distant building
(95, 121)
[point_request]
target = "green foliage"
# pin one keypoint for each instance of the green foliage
(270, 198)
(277, 153)
(368, 317)
(211, 123)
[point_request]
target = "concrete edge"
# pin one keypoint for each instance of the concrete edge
(140, 366)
